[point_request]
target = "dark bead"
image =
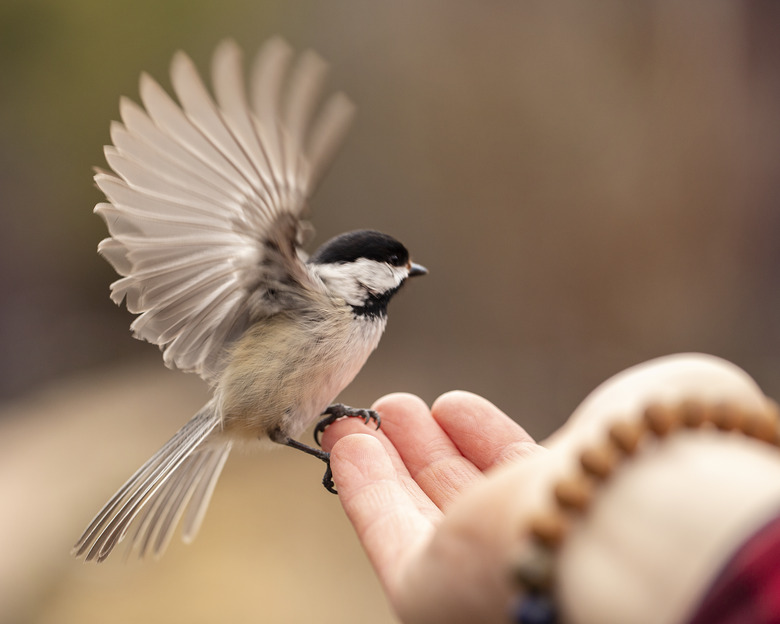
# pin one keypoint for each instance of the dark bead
(533, 568)
(535, 609)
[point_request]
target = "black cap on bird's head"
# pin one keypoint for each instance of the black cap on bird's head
(368, 244)
(365, 268)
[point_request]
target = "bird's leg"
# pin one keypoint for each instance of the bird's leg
(339, 410)
(327, 479)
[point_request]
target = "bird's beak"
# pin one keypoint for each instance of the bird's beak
(416, 269)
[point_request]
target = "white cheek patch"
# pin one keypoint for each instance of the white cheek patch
(381, 277)
(353, 281)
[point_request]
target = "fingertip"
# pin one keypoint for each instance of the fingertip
(344, 427)
(399, 402)
(359, 458)
(483, 433)
(456, 401)
(356, 445)
(451, 398)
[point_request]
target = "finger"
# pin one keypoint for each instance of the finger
(387, 520)
(482, 432)
(346, 427)
(431, 458)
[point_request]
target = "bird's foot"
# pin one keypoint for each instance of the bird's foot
(339, 410)
(327, 479)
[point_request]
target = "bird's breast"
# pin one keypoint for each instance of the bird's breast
(287, 369)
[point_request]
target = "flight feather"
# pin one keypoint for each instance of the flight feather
(199, 188)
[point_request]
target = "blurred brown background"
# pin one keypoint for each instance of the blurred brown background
(590, 184)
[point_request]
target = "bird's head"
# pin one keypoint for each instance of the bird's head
(365, 268)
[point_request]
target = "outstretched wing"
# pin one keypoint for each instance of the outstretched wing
(205, 209)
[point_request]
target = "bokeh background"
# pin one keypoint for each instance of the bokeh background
(590, 184)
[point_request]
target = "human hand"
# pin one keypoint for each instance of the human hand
(403, 488)
(443, 536)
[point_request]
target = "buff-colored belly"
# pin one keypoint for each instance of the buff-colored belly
(282, 376)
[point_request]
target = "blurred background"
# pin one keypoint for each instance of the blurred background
(590, 185)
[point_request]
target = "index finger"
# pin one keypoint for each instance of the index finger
(483, 433)
(388, 521)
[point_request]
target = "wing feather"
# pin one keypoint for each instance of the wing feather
(304, 89)
(158, 209)
(116, 253)
(169, 174)
(144, 130)
(203, 114)
(271, 64)
(231, 96)
(327, 133)
(170, 118)
(199, 189)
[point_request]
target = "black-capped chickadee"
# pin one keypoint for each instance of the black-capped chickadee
(205, 217)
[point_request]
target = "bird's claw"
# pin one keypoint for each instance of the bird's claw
(327, 479)
(338, 410)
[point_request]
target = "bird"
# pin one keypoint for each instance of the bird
(206, 209)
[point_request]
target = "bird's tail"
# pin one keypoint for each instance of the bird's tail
(179, 478)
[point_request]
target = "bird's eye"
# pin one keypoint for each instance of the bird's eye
(395, 260)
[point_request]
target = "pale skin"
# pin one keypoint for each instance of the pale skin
(439, 497)
(403, 485)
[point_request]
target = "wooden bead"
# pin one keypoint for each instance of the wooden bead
(534, 569)
(773, 414)
(726, 416)
(599, 461)
(693, 414)
(759, 426)
(574, 493)
(550, 528)
(626, 436)
(660, 419)
(772, 410)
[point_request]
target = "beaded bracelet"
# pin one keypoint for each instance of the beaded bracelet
(534, 571)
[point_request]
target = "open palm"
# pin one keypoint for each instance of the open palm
(404, 487)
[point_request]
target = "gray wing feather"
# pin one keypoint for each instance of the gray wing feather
(214, 140)
(177, 160)
(327, 134)
(266, 81)
(227, 76)
(200, 187)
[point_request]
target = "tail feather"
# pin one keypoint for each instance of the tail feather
(159, 492)
(196, 510)
(188, 490)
